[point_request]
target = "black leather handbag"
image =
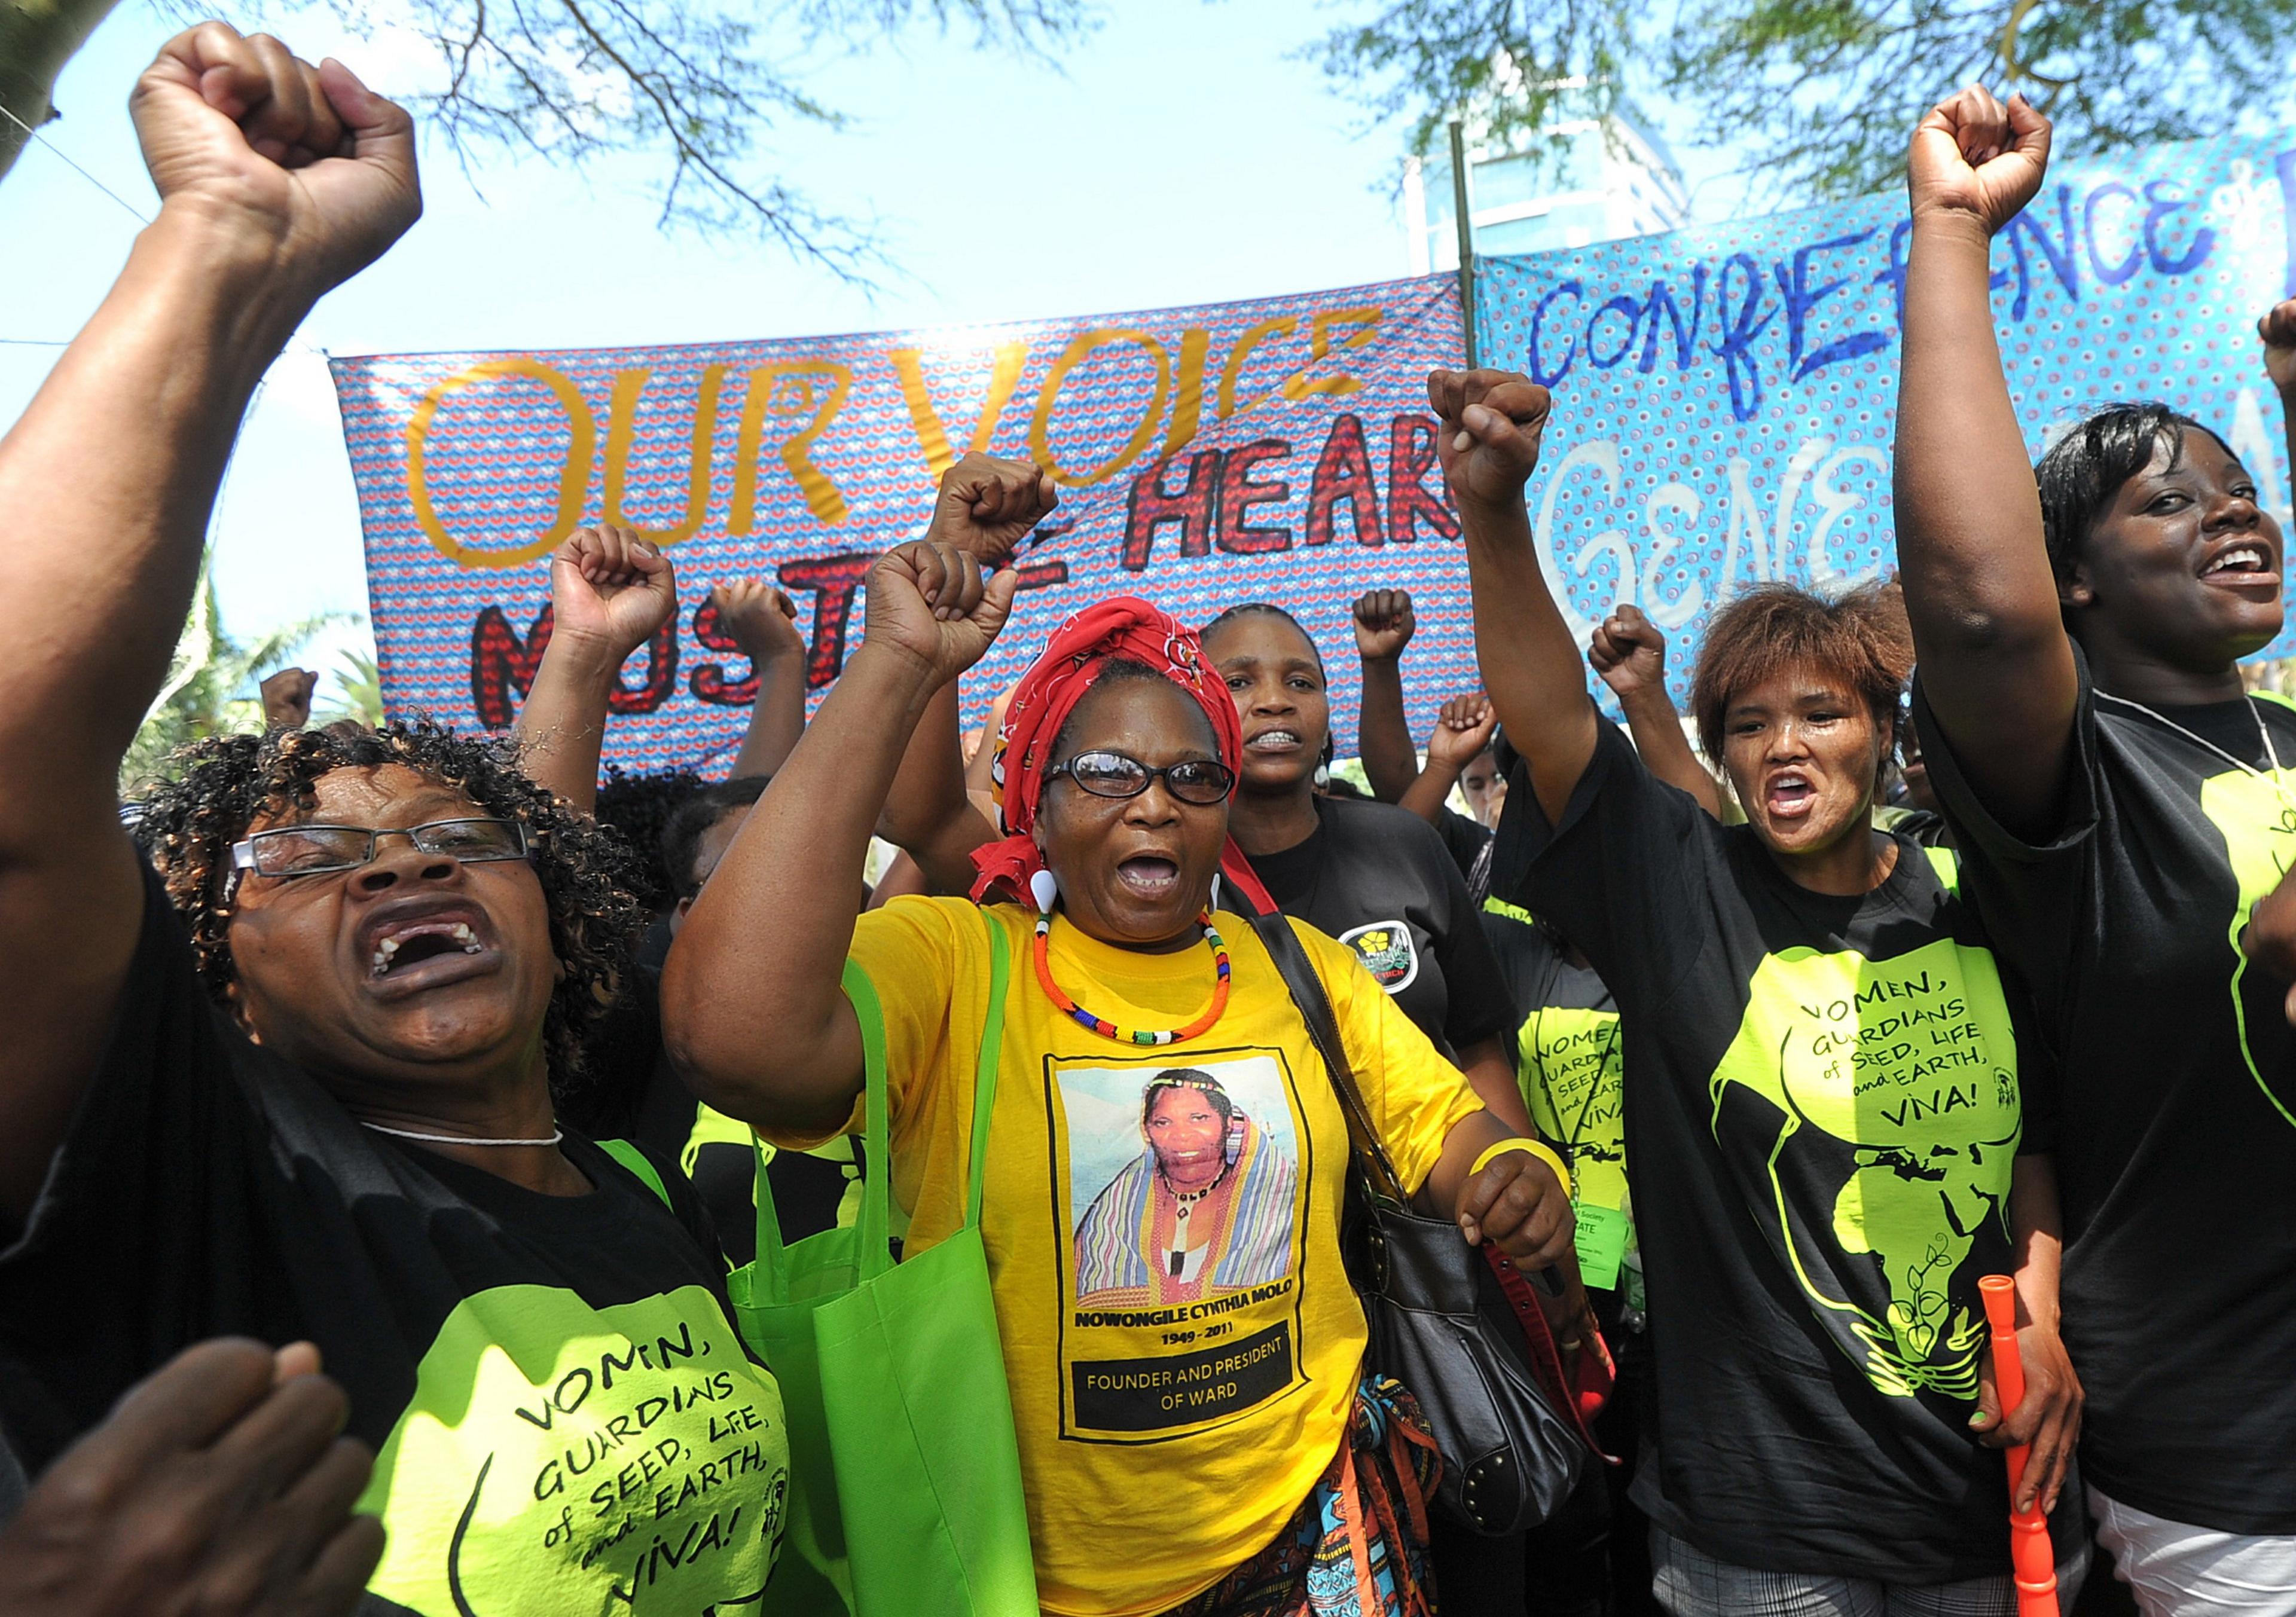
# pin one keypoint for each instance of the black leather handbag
(1453, 1323)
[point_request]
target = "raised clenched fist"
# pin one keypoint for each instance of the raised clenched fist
(610, 592)
(305, 166)
(1383, 624)
(937, 605)
(761, 619)
(987, 505)
(1463, 729)
(1629, 652)
(1977, 157)
(287, 699)
(1492, 423)
(2277, 330)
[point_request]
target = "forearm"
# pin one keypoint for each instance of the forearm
(2037, 1234)
(929, 814)
(777, 719)
(1432, 790)
(562, 729)
(1469, 1139)
(1979, 591)
(1491, 1075)
(1666, 751)
(1529, 664)
(108, 479)
(1382, 733)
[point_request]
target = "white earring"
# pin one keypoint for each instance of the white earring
(1323, 774)
(1044, 889)
(1216, 892)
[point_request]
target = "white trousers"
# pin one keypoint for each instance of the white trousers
(2177, 1570)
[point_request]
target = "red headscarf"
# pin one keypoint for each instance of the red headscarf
(1120, 628)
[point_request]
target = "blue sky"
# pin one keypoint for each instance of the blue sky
(1179, 155)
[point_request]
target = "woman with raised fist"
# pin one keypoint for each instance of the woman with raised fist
(299, 1078)
(1165, 1160)
(1820, 1080)
(2126, 817)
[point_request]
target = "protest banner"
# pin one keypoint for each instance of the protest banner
(1725, 397)
(1277, 450)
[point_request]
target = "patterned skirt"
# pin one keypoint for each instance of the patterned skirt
(1358, 1545)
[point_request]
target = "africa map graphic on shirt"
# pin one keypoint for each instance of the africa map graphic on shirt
(1181, 1244)
(1898, 1079)
(2259, 831)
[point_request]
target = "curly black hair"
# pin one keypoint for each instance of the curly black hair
(640, 805)
(587, 874)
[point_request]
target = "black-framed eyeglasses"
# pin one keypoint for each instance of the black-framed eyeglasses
(1203, 781)
(321, 850)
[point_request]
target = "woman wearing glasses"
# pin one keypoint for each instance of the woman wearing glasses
(1166, 1154)
(297, 1079)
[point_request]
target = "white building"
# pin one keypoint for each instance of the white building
(1609, 178)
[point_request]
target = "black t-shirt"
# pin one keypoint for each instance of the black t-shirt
(551, 1384)
(2176, 1135)
(1377, 878)
(1463, 839)
(1821, 1109)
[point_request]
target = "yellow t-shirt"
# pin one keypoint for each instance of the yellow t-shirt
(1181, 1339)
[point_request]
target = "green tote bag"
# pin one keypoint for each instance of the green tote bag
(905, 1475)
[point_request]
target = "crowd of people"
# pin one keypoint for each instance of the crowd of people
(395, 1123)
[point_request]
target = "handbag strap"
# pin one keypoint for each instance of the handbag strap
(984, 1075)
(876, 1183)
(1315, 1007)
(626, 1154)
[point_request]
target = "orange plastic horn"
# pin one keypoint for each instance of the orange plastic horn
(2030, 1557)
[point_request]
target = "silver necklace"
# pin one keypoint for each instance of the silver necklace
(459, 1140)
(2263, 732)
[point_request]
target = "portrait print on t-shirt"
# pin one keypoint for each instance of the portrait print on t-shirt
(1896, 1079)
(1180, 1246)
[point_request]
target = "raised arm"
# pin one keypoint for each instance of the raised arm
(1628, 653)
(763, 622)
(286, 698)
(278, 181)
(752, 1014)
(986, 507)
(1492, 422)
(1463, 730)
(1383, 628)
(610, 592)
(1997, 667)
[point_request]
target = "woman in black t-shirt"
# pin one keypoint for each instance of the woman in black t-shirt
(1380, 880)
(2125, 808)
(1820, 1085)
(296, 1080)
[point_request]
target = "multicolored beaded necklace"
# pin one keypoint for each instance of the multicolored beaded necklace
(1109, 1030)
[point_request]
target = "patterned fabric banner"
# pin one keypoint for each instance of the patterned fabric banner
(1277, 450)
(1725, 397)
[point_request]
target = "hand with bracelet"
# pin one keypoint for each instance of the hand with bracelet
(1517, 1195)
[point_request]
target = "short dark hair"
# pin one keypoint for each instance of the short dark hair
(223, 783)
(2080, 475)
(1264, 608)
(640, 805)
(1860, 636)
(681, 839)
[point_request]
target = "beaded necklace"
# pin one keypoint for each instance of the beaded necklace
(1109, 1030)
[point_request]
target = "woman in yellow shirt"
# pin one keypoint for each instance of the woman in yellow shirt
(1196, 1428)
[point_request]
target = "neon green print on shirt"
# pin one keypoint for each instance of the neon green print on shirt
(2259, 833)
(1909, 1062)
(558, 1458)
(1569, 1069)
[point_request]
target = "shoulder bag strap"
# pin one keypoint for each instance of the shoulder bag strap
(1315, 1007)
(636, 1160)
(876, 1182)
(984, 1077)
